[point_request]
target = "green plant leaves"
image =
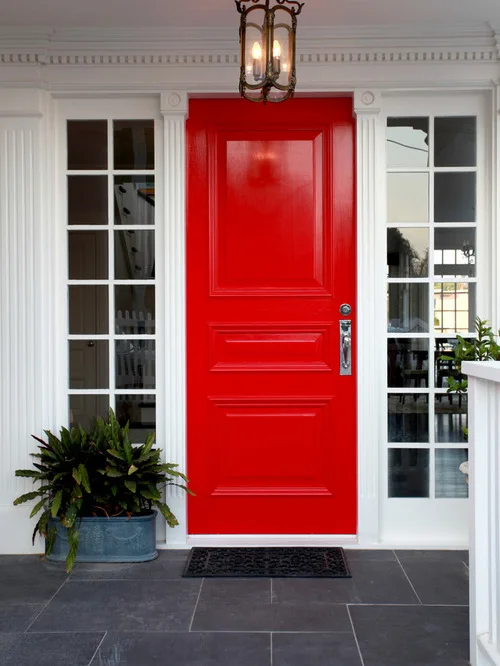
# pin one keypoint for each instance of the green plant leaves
(96, 472)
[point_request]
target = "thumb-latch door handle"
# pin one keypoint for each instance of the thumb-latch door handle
(345, 347)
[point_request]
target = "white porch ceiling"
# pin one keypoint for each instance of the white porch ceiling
(222, 13)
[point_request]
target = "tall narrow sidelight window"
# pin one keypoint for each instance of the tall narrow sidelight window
(431, 296)
(110, 175)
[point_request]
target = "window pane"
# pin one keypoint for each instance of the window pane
(455, 252)
(134, 255)
(134, 144)
(135, 364)
(134, 200)
(88, 310)
(134, 309)
(84, 409)
(408, 362)
(407, 197)
(88, 364)
(450, 482)
(407, 252)
(450, 417)
(454, 197)
(408, 308)
(87, 144)
(407, 142)
(444, 368)
(87, 200)
(454, 307)
(408, 417)
(455, 141)
(140, 412)
(408, 473)
(88, 255)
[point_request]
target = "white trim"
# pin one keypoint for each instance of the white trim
(370, 238)
(270, 540)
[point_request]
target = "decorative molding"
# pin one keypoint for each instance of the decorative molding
(367, 102)
(370, 306)
(174, 103)
(180, 47)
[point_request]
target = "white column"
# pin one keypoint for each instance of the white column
(28, 374)
(371, 309)
(174, 106)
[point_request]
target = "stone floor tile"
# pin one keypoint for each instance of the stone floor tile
(412, 635)
(315, 649)
(29, 578)
(184, 649)
(17, 616)
(133, 605)
(439, 577)
(372, 581)
(168, 565)
(68, 649)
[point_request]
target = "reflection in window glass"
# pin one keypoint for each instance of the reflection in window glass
(444, 368)
(88, 310)
(87, 199)
(134, 255)
(454, 197)
(455, 252)
(133, 144)
(140, 412)
(88, 255)
(407, 142)
(408, 417)
(408, 472)
(408, 362)
(135, 364)
(407, 252)
(454, 306)
(450, 481)
(134, 309)
(455, 141)
(450, 417)
(87, 144)
(407, 197)
(84, 409)
(88, 364)
(407, 308)
(134, 200)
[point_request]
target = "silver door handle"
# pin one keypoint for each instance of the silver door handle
(345, 347)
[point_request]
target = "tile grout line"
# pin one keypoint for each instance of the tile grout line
(48, 602)
(98, 648)
(196, 605)
(271, 648)
(355, 636)
(407, 578)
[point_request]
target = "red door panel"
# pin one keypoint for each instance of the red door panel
(270, 259)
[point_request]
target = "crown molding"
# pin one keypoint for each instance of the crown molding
(184, 47)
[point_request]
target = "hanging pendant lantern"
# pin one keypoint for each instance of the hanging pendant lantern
(267, 39)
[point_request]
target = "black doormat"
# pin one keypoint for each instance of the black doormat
(266, 563)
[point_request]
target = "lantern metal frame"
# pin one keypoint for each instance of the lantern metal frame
(269, 77)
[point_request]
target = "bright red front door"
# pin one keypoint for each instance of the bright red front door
(270, 260)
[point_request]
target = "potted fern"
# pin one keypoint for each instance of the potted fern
(484, 347)
(99, 494)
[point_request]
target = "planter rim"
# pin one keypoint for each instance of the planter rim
(149, 516)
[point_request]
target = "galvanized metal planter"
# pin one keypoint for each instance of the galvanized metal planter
(117, 539)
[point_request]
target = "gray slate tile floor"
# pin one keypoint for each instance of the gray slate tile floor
(401, 608)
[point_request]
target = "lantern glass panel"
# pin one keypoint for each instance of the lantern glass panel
(282, 47)
(255, 47)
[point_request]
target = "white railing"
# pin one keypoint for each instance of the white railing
(135, 358)
(484, 488)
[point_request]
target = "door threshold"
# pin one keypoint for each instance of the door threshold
(256, 540)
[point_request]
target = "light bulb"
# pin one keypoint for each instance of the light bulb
(256, 51)
(276, 49)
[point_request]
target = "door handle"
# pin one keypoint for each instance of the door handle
(345, 347)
